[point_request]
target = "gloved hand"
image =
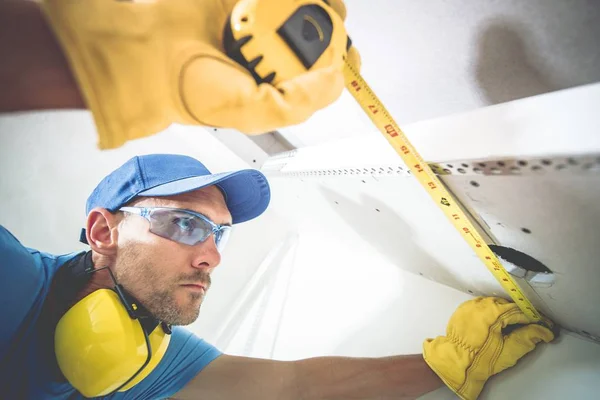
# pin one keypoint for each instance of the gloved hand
(144, 65)
(475, 347)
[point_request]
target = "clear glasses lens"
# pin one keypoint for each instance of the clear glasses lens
(185, 228)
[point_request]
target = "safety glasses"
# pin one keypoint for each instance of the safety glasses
(183, 226)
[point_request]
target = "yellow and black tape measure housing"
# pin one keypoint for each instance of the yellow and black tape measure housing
(277, 40)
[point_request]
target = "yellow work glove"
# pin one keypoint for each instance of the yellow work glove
(475, 346)
(144, 65)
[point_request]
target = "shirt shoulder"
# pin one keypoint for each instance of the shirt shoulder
(25, 278)
(186, 356)
(22, 282)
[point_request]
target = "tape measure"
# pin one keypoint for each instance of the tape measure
(279, 39)
(382, 119)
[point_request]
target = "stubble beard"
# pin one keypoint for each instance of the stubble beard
(141, 278)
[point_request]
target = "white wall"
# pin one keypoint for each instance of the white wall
(427, 59)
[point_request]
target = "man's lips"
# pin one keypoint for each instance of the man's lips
(196, 286)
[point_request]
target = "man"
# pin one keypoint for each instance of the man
(157, 225)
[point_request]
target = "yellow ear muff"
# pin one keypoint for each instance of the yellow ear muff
(99, 347)
(277, 40)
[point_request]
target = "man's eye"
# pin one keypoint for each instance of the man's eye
(185, 224)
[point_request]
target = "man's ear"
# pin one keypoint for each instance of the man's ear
(101, 231)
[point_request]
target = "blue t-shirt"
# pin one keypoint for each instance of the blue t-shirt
(25, 370)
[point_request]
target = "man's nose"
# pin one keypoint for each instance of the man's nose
(206, 254)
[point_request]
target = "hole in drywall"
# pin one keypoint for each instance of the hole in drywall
(526, 230)
(377, 209)
(364, 182)
(253, 161)
(519, 260)
(474, 183)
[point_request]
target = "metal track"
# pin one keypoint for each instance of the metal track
(564, 165)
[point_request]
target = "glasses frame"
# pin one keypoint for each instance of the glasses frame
(216, 229)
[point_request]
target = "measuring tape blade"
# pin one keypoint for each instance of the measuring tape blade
(382, 119)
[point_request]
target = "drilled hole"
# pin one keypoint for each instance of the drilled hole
(449, 165)
(519, 259)
(253, 161)
(526, 230)
(447, 171)
(377, 209)
(572, 161)
(481, 164)
(244, 19)
(501, 163)
(337, 202)
(522, 163)
(547, 162)
(474, 183)
(467, 165)
(470, 291)
(420, 273)
(462, 171)
(477, 170)
(364, 182)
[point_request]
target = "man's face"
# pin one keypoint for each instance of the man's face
(164, 275)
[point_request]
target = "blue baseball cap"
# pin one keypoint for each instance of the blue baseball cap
(247, 193)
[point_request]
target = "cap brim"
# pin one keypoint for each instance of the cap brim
(247, 192)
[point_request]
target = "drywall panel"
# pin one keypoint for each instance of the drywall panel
(338, 285)
(553, 124)
(529, 165)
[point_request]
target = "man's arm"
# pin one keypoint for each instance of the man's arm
(34, 73)
(234, 377)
